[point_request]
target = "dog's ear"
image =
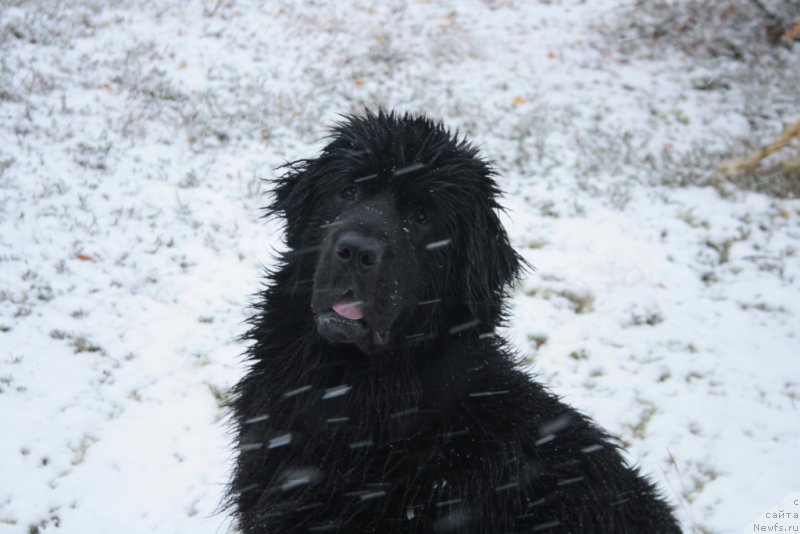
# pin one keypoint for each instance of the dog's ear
(293, 198)
(491, 266)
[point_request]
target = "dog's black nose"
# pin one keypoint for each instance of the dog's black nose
(360, 251)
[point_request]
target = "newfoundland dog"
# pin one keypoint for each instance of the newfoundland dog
(379, 397)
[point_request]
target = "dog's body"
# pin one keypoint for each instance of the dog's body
(379, 398)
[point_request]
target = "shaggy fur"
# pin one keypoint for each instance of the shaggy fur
(379, 398)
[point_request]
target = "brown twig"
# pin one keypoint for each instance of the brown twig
(684, 492)
(751, 161)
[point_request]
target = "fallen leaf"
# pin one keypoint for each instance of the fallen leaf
(449, 20)
(519, 100)
(792, 34)
(85, 257)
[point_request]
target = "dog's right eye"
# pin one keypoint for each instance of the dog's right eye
(349, 193)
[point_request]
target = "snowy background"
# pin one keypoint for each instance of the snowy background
(134, 140)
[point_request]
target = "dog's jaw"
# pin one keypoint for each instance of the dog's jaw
(337, 329)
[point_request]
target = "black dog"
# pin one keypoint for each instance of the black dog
(379, 397)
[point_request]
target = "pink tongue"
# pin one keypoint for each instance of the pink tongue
(349, 307)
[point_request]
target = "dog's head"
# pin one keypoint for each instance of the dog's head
(396, 224)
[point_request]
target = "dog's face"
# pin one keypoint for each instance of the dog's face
(370, 273)
(404, 244)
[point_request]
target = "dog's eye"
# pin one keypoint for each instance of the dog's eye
(349, 193)
(419, 216)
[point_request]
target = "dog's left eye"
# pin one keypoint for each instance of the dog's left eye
(349, 193)
(419, 216)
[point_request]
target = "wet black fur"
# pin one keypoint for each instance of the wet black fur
(438, 432)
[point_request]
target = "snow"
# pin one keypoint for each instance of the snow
(134, 137)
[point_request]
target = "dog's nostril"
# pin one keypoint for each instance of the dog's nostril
(367, 259)
(344, 253)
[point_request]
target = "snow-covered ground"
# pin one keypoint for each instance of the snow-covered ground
(134, 140)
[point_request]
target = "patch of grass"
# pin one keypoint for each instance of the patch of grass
(5, 163)
(201, 359)
(745, 31)
(81, 344)
(723, 248)
(5, 382)
(189, 181)
(693, 376)
(705, 475)
(579, 301)
(537, 340)
(791, 390)
(80, 450)
(582, 302)
(47, 524)
(92, 156)
(548, 209)
(690, 218)
(222, 397)
(639, 429)
(580, 354)
(537, 243)
(762, 306)
(648, 316)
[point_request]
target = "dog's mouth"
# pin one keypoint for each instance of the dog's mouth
(347, 320)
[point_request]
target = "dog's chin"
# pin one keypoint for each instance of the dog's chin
(340, 330)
